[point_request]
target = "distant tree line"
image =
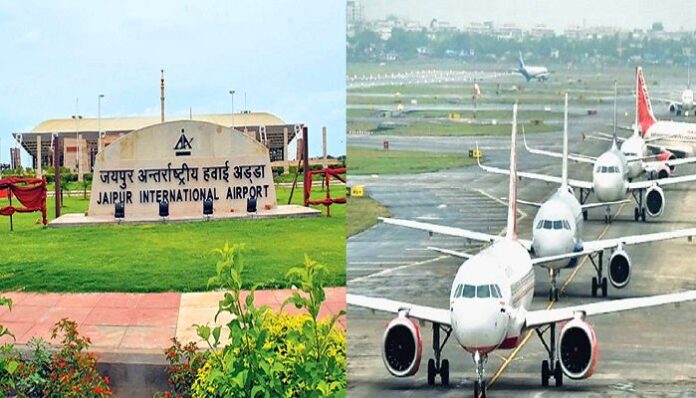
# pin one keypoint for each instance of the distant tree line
(366, 45)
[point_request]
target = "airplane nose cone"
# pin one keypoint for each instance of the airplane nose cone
(551, 242)
(479, 324)
(609, 187)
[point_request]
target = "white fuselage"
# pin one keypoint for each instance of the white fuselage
(610, 176)
(489, 296)
(634, 148)
(687, 99)
(678, 135)
(557, 228)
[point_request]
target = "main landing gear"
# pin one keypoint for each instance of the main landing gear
(435, 366)
(479, 383)
(553, 290)
(551, 367)
(639, 211)
(607, 215)
(599, 281)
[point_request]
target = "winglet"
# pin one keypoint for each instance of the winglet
(564, 169)
(512, 199)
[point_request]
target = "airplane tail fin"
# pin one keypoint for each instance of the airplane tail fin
(511, 232)
(564, 172)
(644, 111)
(521, 61)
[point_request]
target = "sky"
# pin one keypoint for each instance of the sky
(289, 59)
(557, 14)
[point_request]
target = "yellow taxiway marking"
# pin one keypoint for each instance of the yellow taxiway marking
(513, 354)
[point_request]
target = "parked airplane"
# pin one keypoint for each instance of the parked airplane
(489, 309)
(686, 105)
(540, 73)
(680, 137)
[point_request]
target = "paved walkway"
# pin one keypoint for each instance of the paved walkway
(122, 323)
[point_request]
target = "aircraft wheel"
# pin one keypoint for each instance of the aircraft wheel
(545, 373)
(444, 372)
(483, 389)
(431, 372)
(604, 287)
(606, 219)
(558, 374)
(636, 214)
(642, 214)
(594, 286)
(476, 389)
(584, 215)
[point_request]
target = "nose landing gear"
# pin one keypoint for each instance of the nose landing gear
(599, 282)
(480, 383)
(553, 291)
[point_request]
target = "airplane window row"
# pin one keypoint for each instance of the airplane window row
(481, 291)
(555, 224)
(607, 169)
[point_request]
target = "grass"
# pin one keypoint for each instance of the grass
(363, 213)
(158, 257)
(377, 161)
(445, 129)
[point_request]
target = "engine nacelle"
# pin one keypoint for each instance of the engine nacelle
(664, 156)
(402, 347)
(673, 108)
(619, 269)
(577, 349)
(654, 201)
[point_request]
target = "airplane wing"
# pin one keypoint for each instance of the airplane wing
(441, 229)
(603, 204)
(603, 244)
(449, 252)
(548, 259)
(572, 156)
(598, 135)
(677, 162)
(420, 312)
(535, 319)
(537, 176)
(632, 186)
(529, 203)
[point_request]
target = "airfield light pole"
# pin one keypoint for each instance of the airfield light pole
(99, 138)
(232, 101)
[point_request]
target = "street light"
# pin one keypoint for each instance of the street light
(99, 139)
(232, 95)
(77, 118)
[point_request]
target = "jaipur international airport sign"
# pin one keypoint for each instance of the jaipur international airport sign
(183, 163)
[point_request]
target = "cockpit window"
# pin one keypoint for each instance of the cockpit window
(548, 224)
(469, 291)
(495, 291)
(483, 291)
(566, 225)
(557, 224)
(458, 291)
(540, 225)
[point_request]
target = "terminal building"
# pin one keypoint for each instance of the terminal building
(82, 137)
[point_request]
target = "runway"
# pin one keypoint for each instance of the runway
(641, 353)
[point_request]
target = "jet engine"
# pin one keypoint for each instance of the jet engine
(619, 269)
(664, 156)
(654, 201)
(673, 108)
(577, 349)
(402, 347)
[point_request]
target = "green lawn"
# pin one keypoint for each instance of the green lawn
(171, 257)
(377, 161)
(444, 129)
(363, 213)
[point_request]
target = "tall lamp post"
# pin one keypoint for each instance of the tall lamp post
(232, 96)
(77, 118)
(99, 139)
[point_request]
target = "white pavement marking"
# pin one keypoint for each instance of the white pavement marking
(390, 270)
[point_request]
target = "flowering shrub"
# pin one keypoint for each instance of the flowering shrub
(184, 363)
(269, 355)
(68, 373)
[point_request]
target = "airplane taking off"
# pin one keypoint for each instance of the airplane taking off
(680, 137)
(489, 309)
(540, 73)
(610, 183)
